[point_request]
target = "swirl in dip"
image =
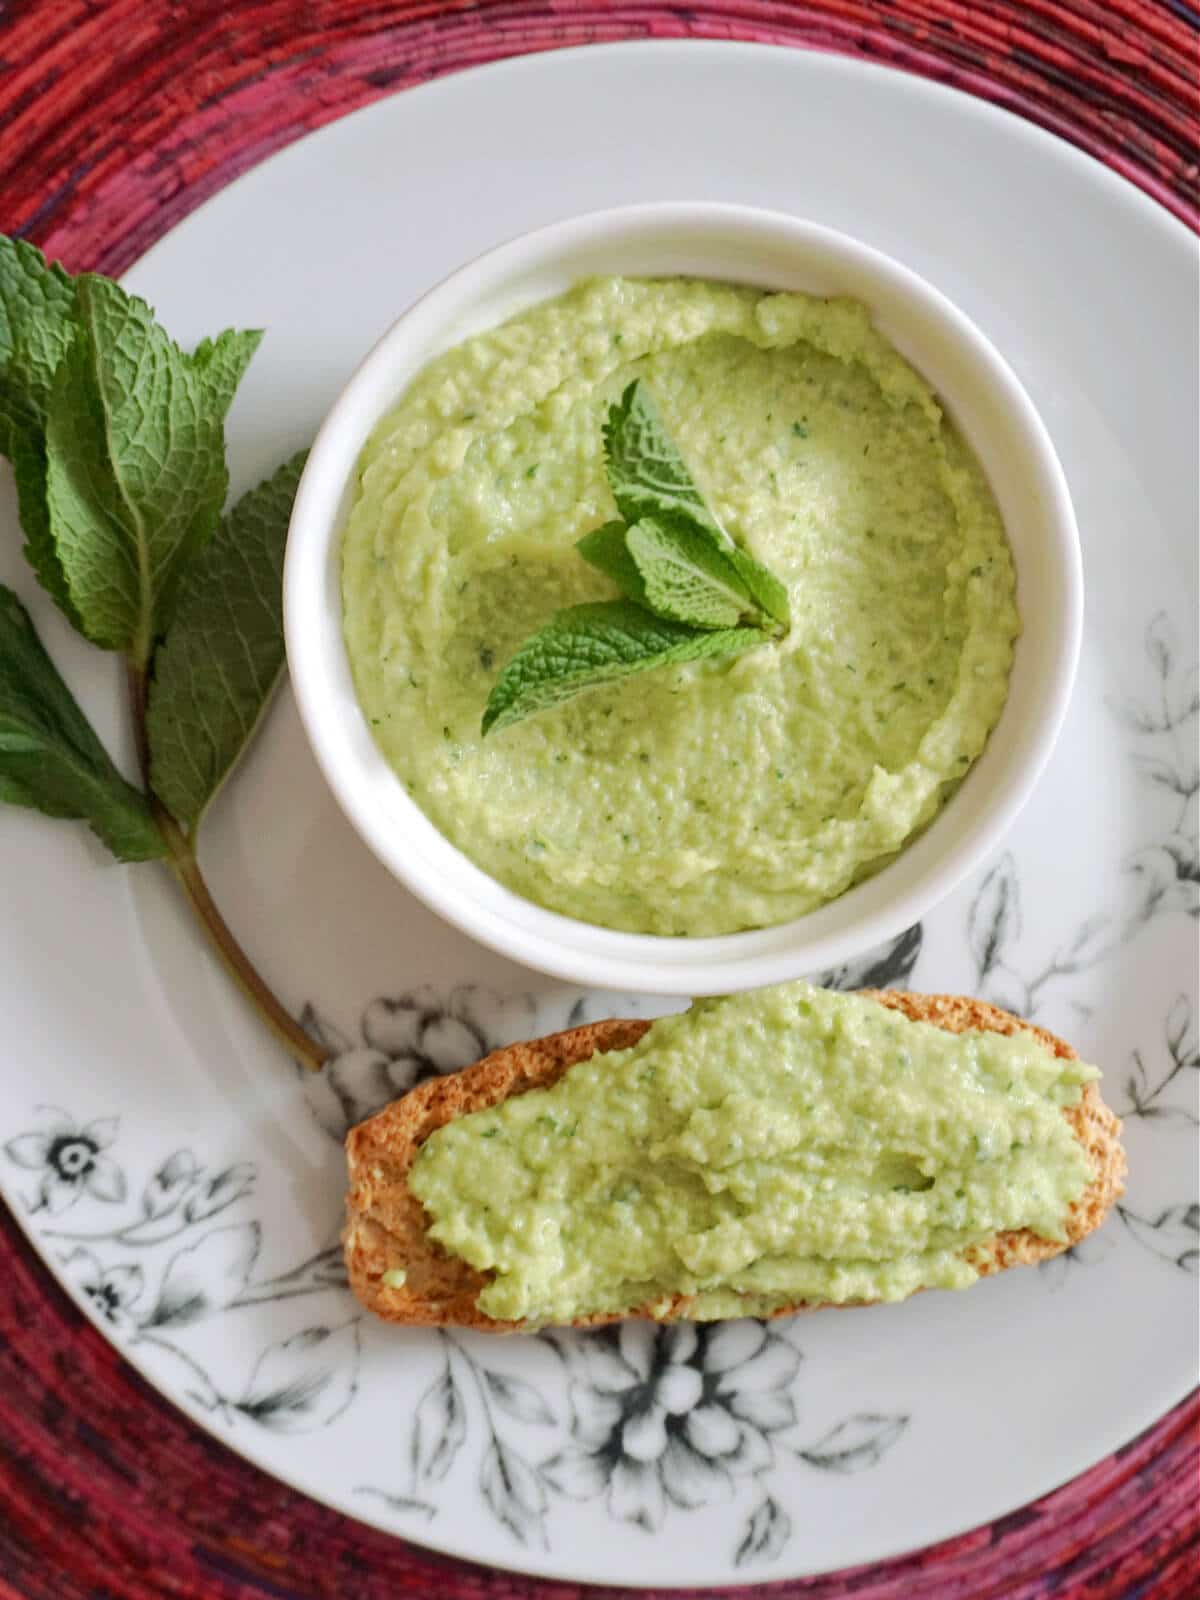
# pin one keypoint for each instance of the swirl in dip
(718, 795)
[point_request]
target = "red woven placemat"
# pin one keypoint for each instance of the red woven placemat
(117, 117)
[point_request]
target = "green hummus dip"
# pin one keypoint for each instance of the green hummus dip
(787, 1145)
(713, 796)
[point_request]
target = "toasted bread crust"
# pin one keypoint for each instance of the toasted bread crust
(386, 1223)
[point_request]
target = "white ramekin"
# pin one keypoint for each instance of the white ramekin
(979, 391)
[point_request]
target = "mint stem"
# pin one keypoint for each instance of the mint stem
(182, 860)
(138, 680)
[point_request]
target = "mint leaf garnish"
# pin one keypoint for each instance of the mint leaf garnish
(605, 549)
(690, 591)
(50, 759)
(687, 578)
(646, 473)
(136, 471)
(222, 656)
(589, 645)
(37, 310)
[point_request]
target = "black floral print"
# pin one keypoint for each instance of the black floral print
(407, 1038)
(1160, 878)
(659, 1420)
(71, 1160)
(1147, 1086)
(114, 1292)
(674, 1415)
(296, 1384)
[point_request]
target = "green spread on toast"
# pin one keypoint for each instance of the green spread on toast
(793, 1144)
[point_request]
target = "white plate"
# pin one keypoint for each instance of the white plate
(195, 1213)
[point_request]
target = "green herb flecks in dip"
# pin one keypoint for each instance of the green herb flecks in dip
(788, 1145)
(713, 795)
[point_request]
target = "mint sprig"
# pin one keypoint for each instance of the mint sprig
(690, 591)
(116, 437)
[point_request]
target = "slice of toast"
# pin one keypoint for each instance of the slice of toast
(385, 1228)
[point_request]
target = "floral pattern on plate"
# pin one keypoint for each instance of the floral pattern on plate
(657, 1421)
(157, 1269)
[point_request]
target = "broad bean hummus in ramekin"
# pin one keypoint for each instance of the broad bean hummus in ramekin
(713, 796)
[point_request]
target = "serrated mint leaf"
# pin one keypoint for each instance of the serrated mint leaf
(50, 759)
(223, 362)
(222, 655)
(136, 465)
(590, 645)
(37, 310)
(646, 473)
(605, 549)
(650, 479)
(686, 577)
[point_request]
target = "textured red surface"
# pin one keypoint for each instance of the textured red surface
(117, 117)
